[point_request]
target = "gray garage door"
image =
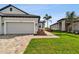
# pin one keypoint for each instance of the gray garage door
(19, 28)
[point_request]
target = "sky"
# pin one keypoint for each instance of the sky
(57, 11)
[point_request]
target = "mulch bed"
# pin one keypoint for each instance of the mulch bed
(48, 29)
(41, 32)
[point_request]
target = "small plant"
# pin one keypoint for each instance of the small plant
(41, 32)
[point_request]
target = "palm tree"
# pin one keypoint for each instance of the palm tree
(47, 17)
(70, 18)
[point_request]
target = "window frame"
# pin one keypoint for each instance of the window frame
(11, 9)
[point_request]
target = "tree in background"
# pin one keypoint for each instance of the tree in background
(47, 17)
(70, 18)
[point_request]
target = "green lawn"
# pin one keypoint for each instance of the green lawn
(67, 44)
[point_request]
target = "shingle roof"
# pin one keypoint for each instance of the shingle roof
(42, 21)
(18, 15)
(62, 19)
(7, 14)
(66, 18)
(54, 24)
(14, 7)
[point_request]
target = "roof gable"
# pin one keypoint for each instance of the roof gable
(16, 10)
(23, 14)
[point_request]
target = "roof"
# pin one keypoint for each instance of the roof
(7, 14)
(54, 24)
(66, 18)
(17, 15)
(62, 19)
(42, 21)
(14, 7)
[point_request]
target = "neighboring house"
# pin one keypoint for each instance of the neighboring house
(54, 26)
(16, 21)
(64, 25)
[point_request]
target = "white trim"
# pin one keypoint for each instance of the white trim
(34, 27)
(4, 27)
(16, 21)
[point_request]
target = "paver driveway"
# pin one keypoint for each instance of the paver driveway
(11, 44)
(15, 44)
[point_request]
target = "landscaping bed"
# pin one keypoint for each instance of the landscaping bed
(41, 32)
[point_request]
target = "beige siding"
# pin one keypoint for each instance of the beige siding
(63, 25)
(14, 11)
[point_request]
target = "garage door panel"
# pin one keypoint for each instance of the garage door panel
(19, 27)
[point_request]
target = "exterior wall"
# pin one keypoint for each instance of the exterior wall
(19, 19)
(41, 25)
(63, 25)
(55, 27)
(76, 26)
(0, 26)
(59, 26)
(14, 11)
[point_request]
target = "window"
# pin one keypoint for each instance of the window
(10, 9)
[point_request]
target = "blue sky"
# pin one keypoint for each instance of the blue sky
(57, 11)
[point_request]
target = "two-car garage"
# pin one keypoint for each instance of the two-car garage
(19, 27)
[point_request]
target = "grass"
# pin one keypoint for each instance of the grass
(68, 43)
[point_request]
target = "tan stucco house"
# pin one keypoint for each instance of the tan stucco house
(15, 21)
(64, 25)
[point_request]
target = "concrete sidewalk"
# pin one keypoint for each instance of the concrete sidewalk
(49, 35)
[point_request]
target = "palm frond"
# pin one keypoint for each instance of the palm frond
(47, 17)
(67, 14)
(73, 14)
(70, 15)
